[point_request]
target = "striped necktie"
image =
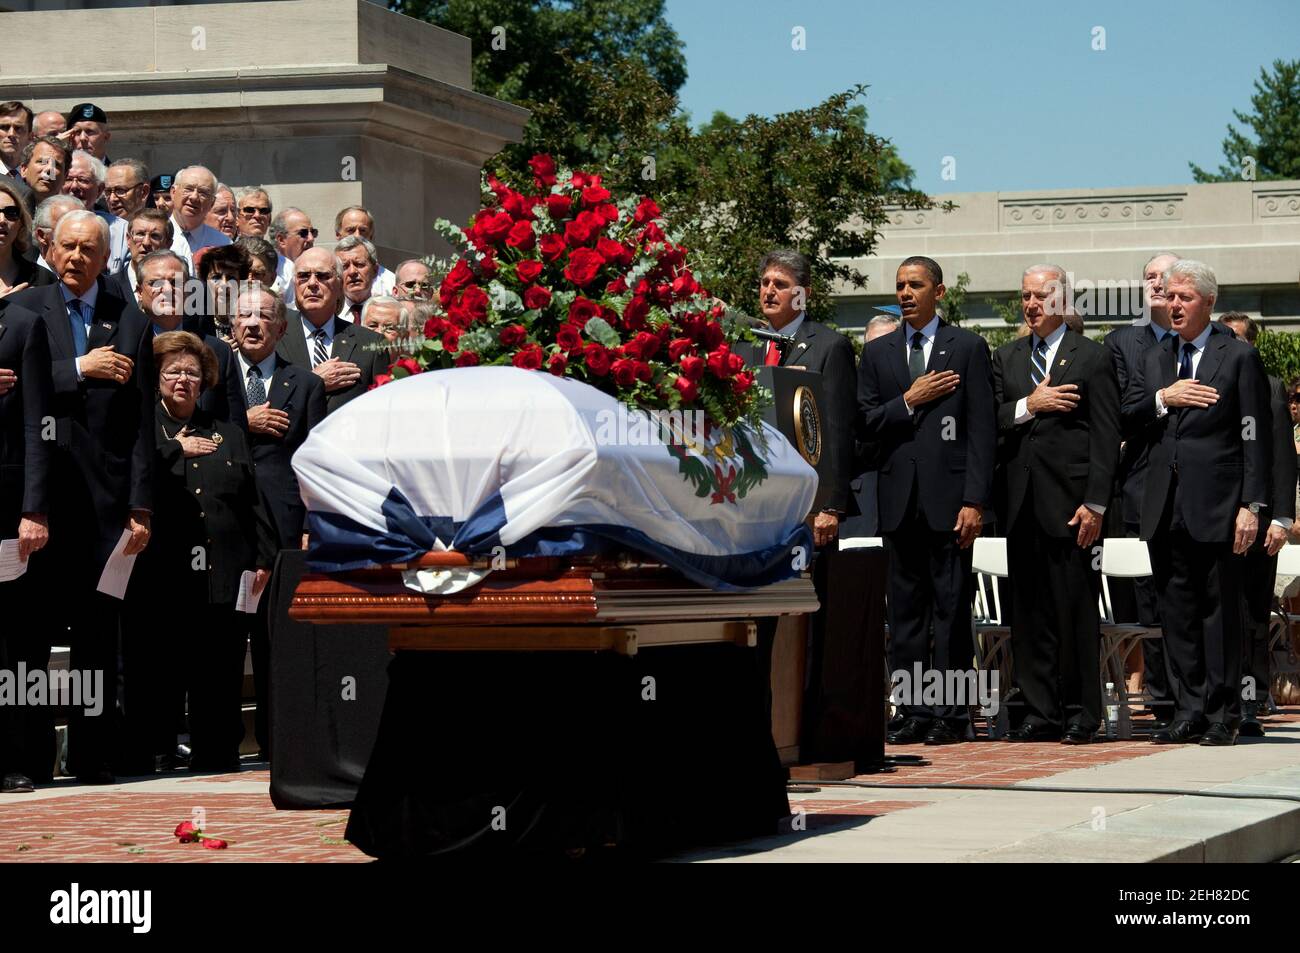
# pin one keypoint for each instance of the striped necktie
(1038, 357)
(319, 351)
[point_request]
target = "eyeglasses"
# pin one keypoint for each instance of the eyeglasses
(201, 192)
(251, 210)
(305, 232)
(1294, 399)
(157, 284)
(11, 213)
(182, 376)
(121, 191)
(321, 276)
(412, 285)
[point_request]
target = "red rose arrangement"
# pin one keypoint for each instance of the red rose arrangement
(558, 275)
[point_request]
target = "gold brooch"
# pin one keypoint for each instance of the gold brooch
(216, 438)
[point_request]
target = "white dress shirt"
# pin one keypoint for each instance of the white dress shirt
(927, 344)
(384, 282)
(1053, 342)
(1199, 343)
(118, 252)
(309, 334)
(186, 243)
(284, 269)
(266, 366)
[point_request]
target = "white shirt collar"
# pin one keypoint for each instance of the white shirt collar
(1199, 341)
(792, 328)
(88, 299)
(266, 365)
(309, 329)
(928, 332)
(1054, 338)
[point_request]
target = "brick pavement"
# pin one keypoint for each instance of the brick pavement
(133, 821)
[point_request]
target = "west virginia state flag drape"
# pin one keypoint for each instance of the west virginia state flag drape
(476, 458)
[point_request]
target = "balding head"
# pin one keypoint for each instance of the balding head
(1153, 287)
(48, 123)
(193, 192)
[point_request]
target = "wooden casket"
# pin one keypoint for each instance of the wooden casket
(564, 704)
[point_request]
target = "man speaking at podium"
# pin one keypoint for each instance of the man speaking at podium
(785, 281)
(925, 398)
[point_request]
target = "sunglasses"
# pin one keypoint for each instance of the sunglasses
(11, 213)
(1294, 399)
(251, 210)
(321, 276)
(304, 232)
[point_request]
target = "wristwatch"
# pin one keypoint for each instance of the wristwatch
(1254, 509)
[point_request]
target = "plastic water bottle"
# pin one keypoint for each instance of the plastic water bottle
(1112, 710)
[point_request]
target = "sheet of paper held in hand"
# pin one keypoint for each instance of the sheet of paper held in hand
(246, 601)
(117, 571)
(11, 567)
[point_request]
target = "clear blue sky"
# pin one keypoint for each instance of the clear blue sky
(1012, 90)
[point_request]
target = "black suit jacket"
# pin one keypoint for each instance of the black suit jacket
(122, 282)
(1065, 458)
(352, 342)
(1282, 502)
(24, 456)
(946, 447)
(301, 395)
(227, 519)
(104, 429)
(1219, 469)
(827, 352)
(1127, 346)
(224, 400)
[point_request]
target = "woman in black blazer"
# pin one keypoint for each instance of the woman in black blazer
(17, 271)
(209, 527)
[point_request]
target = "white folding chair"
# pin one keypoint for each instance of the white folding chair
(1122, 559)
(992, 637)
(1281, 639)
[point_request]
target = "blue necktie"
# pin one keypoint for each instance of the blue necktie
(1185, 363)
(78, 327)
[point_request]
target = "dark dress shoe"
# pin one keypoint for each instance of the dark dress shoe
(1251, 728)
(941, 733)
(1220, 735)
(1075, 735)
(1182, 732)
(16, 784)
(912, 731)
(1028, 732)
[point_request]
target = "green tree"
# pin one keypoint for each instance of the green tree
(1280, 352)
(812, 179)
(1274, 152)
(524, 52)
(601, 79)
